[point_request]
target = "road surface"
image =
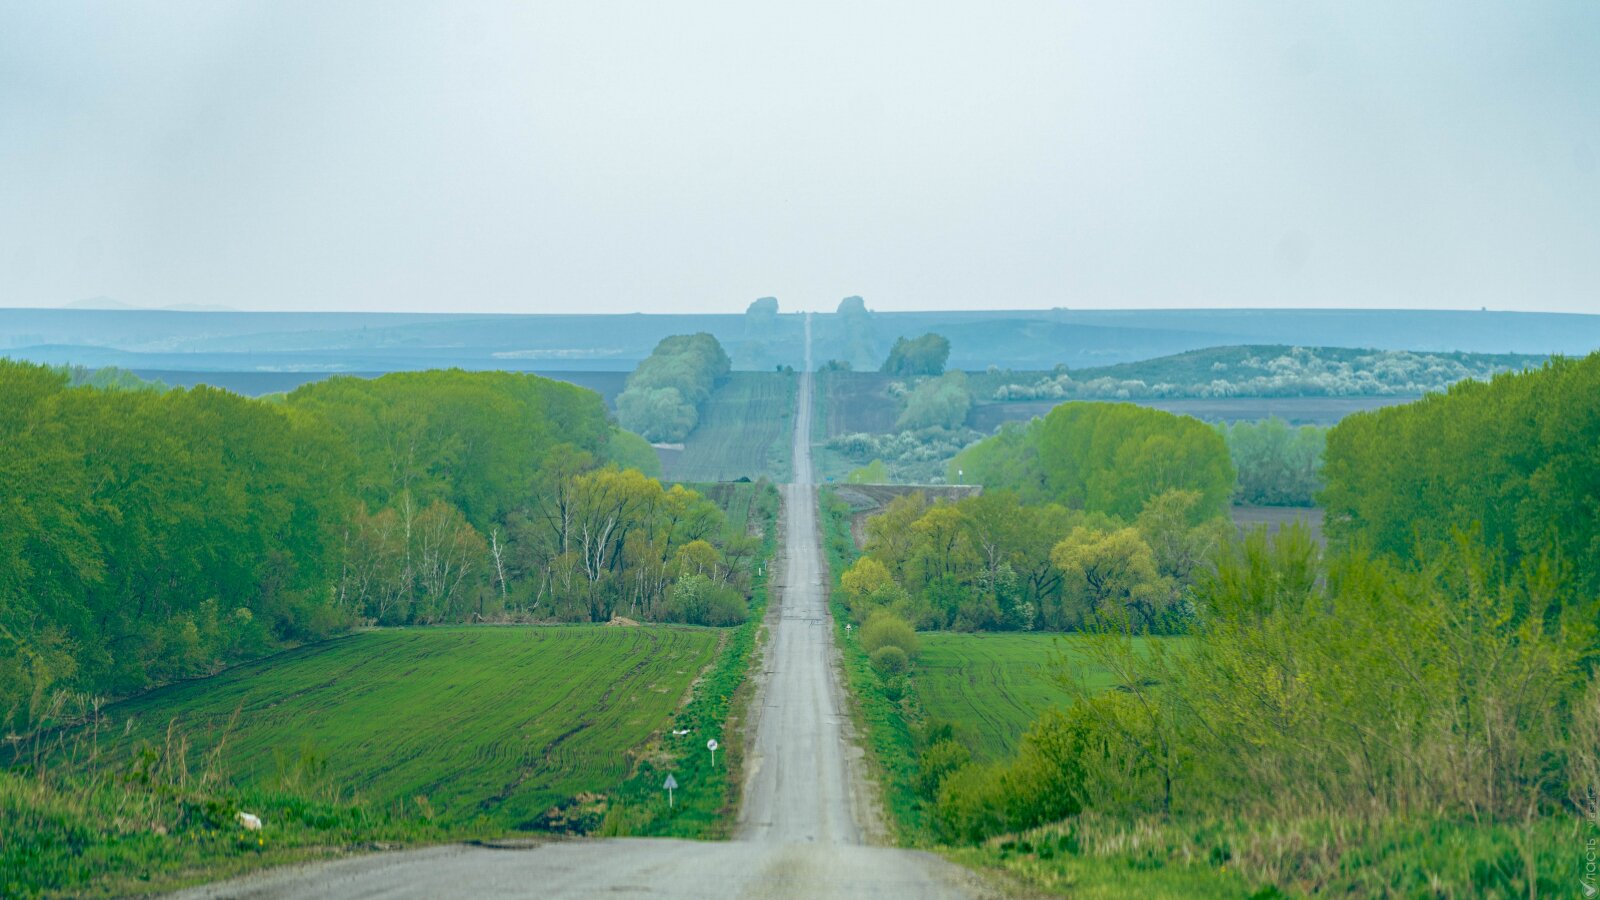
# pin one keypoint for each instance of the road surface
(802, 832)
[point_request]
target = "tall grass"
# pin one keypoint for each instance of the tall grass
(81, 822)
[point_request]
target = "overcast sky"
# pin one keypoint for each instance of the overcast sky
(612, 157)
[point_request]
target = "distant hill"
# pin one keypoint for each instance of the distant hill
(221, 341)
(1256, 371)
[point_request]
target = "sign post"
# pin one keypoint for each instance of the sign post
(671, 785)
(712, 746)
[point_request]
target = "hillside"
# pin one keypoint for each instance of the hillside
(1272, 370)
(1037, 339)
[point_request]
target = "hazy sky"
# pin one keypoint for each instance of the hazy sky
(610, 157)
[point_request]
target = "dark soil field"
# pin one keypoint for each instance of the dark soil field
(853, 402)
(744, 432)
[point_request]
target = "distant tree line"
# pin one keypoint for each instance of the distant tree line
(147, 536)
(1261, 371)
(663, 396)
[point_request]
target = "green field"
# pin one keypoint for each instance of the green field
(744, 432)
(493, 722)
(992, 686)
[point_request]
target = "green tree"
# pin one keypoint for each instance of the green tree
(925, 355)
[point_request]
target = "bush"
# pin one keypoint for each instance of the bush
(937, 763)
(970, 807)
(890, 660)
(941, 402)
(697, 600)
(1043, 784)
(884, 629)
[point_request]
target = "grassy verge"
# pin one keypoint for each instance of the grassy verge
(159, 823)
(1092, 856)
(884, 716)
(707, 795)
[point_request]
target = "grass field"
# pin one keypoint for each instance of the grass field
(992, 686)
(744, 432)
(493, 722)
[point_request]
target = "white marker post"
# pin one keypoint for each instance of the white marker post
(671, 785)
(712, 746)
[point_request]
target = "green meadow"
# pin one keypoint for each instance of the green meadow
(492, 723)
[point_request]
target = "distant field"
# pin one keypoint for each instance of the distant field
(847, 403)
(1275, 517)
(503, 722)
(741, 502)
(852, 402)
(1295, 410)
(993, 685)
(744, 431)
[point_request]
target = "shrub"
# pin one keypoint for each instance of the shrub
(890, 660)
(937, 763)
(1044, 783)
(884, 629)
(697, 600)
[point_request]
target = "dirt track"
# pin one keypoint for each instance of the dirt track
(806, 821)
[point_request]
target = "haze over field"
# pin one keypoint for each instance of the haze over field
(614, 157)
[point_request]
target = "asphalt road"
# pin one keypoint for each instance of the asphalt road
(805, 826)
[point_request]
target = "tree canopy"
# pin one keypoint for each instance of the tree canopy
(1517, 457)
(663, 396)
(925, 355)
(1110, 458)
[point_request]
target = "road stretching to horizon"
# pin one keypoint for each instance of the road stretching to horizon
(807, 817)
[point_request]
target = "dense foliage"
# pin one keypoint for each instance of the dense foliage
(991, 562)
(1517, 457)
(1259, 371)
(941, 402)
(925, 355)
(663, 397)
(147, 536)
(1110, 458)
(1269, 710)
(1278, 465)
